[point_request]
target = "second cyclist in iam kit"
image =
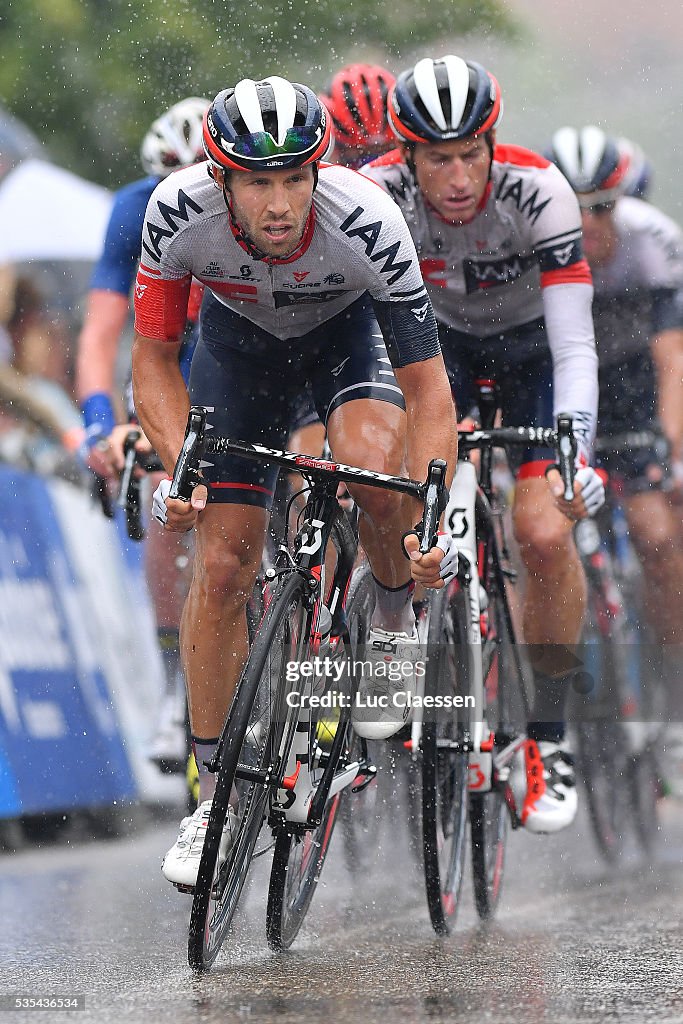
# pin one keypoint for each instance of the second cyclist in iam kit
(498, 233)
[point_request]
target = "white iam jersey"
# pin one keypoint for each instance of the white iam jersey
(517, 261)
(356, 241)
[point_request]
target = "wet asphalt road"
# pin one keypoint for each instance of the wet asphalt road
(573, 941)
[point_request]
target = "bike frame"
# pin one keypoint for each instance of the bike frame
(470, 519)
(300, 795)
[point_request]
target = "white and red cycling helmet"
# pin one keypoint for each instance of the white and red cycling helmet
(175, 139)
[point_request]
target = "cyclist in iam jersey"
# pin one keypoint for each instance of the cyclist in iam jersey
(311, 278)
(498, 233)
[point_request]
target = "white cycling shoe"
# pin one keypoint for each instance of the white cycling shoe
(181, 863)
(382, 704)
(544, 786)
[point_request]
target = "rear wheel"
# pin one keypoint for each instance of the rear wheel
(300, 852)
(489, 819)
(359, 812)
(646, 792)
(444, 761)
(297, 863)
(250, 741)
(506, 714)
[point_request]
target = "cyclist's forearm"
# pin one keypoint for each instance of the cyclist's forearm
(433, 438)
(161, 399)
(98, 343)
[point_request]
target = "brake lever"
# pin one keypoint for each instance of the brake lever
(186, 473)
(566, 450)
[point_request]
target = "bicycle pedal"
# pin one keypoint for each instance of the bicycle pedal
(188, 890)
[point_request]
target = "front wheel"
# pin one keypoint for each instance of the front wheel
(444, 758)
(250, 743)
(646, 792)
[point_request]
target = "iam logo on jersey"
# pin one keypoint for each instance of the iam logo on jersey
(300, 275)
(421, 312)
(140, 290)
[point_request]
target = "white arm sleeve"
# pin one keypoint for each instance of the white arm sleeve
(569, 323)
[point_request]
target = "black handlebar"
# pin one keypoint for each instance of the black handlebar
(432, 492)
(186, 475)
(562, 440)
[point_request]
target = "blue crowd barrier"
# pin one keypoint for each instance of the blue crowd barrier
(68, 733)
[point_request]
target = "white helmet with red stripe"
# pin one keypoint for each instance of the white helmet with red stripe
(591, 162)
(175, 139)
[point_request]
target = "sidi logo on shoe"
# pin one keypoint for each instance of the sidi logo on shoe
(384, 645)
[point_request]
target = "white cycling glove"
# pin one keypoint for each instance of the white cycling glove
(159, 501)
(448, 567)
(592, 489)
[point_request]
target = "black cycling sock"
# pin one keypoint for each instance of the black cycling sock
(204, 751)
(550, 698)
(394, 607)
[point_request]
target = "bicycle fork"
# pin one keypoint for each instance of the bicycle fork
(460, 520)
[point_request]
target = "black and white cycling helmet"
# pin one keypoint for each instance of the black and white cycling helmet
(443, 99)
(175, 138)
(268, 125)
(591, 162)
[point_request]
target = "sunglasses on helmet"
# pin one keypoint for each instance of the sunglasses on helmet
(259, 145)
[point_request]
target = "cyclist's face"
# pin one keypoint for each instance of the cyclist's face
(272, 207)
(453, 176)
(599, 233)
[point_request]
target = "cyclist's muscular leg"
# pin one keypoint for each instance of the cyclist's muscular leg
(371, 434)
(656, 534)
(542, 778)
(556, 587)
(229, 544)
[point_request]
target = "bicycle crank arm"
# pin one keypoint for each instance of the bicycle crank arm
(369, 773)
(304, 811)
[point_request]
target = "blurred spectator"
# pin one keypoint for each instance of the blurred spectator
(39, 414)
